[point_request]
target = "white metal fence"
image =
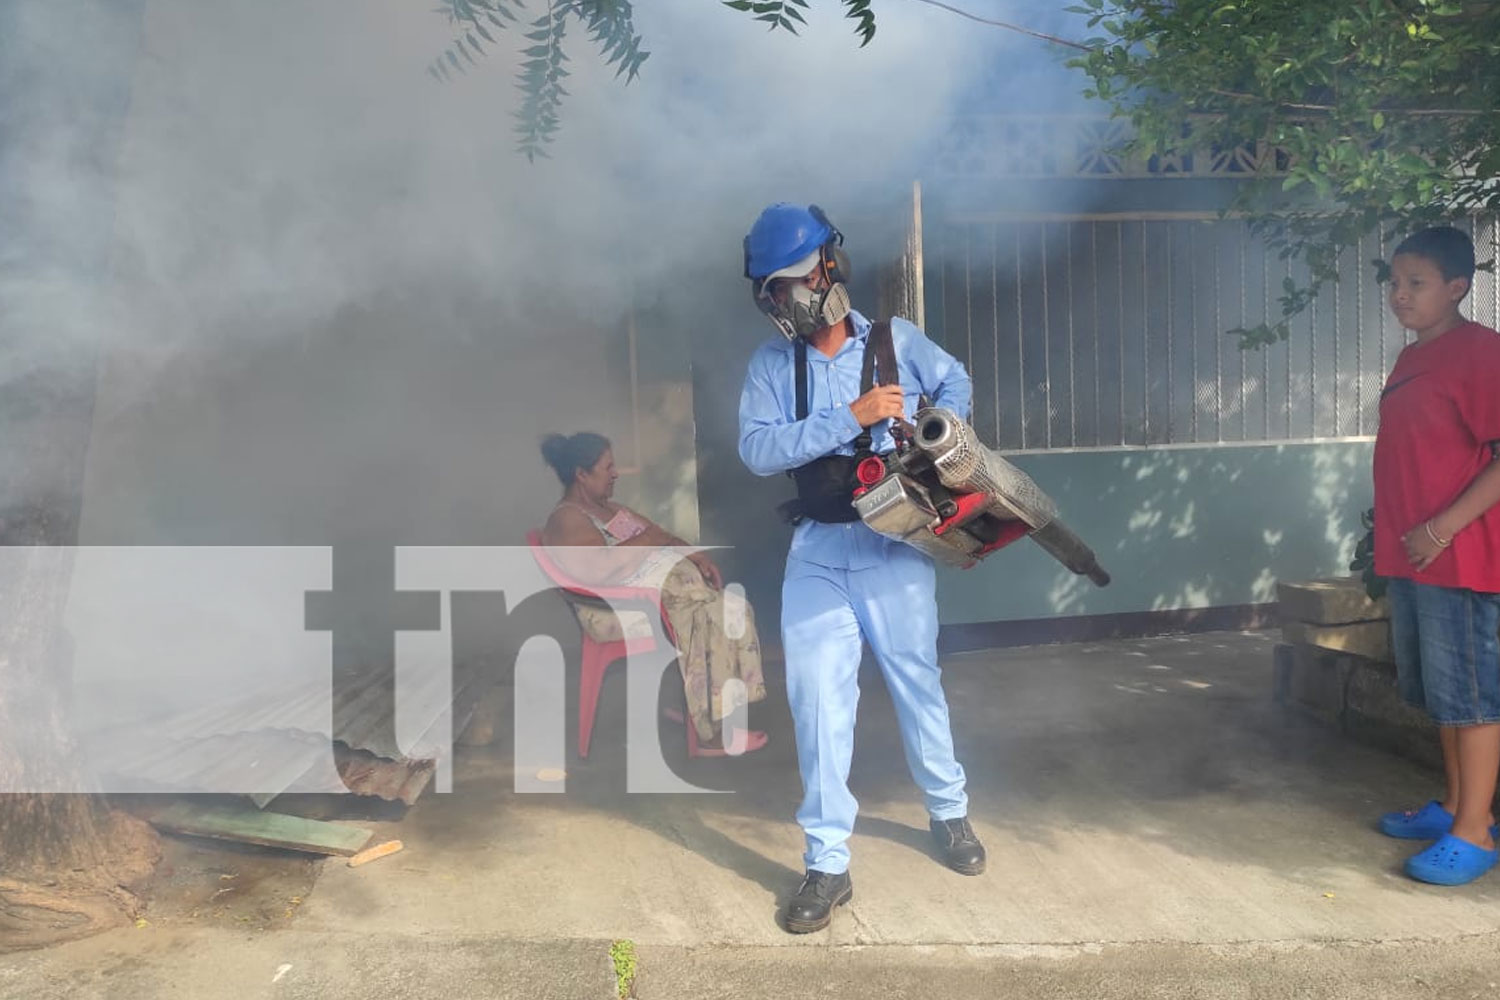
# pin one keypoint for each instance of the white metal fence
(1112, 332)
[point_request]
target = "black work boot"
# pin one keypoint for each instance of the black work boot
(961, 849)
(812, 908)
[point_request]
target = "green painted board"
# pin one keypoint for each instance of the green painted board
(253, 826)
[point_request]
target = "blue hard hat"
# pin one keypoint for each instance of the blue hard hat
(784, 234)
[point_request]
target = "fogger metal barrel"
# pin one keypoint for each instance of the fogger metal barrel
(902, 507)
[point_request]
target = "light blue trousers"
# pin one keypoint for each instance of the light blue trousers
(824, 614)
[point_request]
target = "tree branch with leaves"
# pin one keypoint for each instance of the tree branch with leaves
(1383, 112)
(610, 24)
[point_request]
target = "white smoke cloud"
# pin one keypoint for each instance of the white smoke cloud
(290, 156)
(286, 173)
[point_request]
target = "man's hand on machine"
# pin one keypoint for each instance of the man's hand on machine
(880, 403)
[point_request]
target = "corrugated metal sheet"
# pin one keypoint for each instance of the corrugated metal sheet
(316, 738)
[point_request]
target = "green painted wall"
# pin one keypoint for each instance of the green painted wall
(1179, 527)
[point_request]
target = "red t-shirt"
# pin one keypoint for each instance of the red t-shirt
(1439, 412)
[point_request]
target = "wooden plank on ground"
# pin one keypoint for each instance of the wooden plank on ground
(252, 826)
(373, 853)
(1336, 600)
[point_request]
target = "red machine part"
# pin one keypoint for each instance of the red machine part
(1011, 532)
(870, 471)
(972, 505)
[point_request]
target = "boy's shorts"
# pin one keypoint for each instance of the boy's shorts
(1447, 654)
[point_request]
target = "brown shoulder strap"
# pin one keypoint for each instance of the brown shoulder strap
(879, 358)
(885, 353)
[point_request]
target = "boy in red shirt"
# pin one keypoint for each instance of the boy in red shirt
(1437, 539)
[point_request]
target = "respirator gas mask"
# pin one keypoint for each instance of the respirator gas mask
(804, 309)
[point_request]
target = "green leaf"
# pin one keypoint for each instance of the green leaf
(863, 16)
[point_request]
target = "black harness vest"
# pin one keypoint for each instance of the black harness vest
(825, 486)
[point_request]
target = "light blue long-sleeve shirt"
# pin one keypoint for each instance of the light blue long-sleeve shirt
(773, 440)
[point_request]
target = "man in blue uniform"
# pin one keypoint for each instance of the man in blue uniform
(844, 582)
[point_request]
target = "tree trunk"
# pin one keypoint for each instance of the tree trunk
(66, 860)
(79, 862)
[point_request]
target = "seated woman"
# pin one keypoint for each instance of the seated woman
(691, 588)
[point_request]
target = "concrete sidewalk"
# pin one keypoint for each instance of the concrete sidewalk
(1152, 817)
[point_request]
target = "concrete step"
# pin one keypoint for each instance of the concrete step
(1357, 696)
(1371, 640)
(1329, 601)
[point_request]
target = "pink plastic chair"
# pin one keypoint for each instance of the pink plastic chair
(597, 655)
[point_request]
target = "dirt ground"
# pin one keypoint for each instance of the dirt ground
(208, 882)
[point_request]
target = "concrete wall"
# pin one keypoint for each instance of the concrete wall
(1177, 528)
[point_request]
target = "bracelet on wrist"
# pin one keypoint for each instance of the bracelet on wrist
(1441, 543)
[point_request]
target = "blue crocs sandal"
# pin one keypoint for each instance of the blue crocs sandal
(1450, 861)
(1427, 823)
